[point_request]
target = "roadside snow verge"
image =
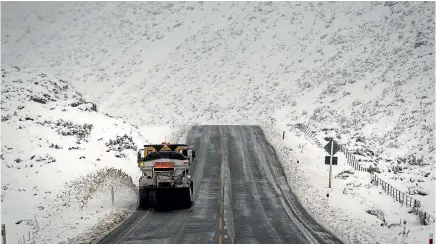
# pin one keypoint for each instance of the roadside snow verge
(346, 213)
(59, 160)
(85, 208)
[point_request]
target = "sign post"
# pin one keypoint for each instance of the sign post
(331, 162)
(332, 147)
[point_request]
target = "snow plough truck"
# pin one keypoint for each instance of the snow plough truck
(165, 182)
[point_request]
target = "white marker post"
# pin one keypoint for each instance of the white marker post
(3, 234)
(112, 194)
(404, 232)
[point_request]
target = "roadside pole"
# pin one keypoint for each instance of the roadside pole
(112, 194)
(3, 234)
(403, 239)
(331, 162)
(331, 148)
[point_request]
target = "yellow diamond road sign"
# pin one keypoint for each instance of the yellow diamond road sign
(336, 147)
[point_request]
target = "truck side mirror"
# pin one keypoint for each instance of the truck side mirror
(193, 154)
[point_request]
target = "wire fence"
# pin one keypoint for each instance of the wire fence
(398, 195)
(403, 198)
(351, 159)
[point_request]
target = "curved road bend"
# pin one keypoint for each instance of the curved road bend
(241, 196)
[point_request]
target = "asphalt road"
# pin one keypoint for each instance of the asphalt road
(241, 196)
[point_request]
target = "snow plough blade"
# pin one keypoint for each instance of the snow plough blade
(165, 199)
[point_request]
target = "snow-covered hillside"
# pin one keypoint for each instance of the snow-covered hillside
(364, 68)
(362, 72)
(60, 158)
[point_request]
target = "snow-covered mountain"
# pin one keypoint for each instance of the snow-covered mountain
(362, 71)
(362, 67)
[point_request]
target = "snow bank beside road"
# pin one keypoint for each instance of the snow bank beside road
(60, 157)
(352, 194)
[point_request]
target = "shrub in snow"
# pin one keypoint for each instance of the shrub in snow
(356, 103)
(120, 155)
(412, 160)
(55, 146)
(328, 138)
(38, 99)
(379, 214)
(344, 174)
(373, 169)
(84, 105)
(46, 159)
(421, 39)
(415, 190)
(121, 143)
(6, 117)
(306, 85)
(345, 93)
(67, 128)
(331, 90)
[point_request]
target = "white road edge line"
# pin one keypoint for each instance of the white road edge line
(130, 228)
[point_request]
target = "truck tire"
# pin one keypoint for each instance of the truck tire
(143, 199)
